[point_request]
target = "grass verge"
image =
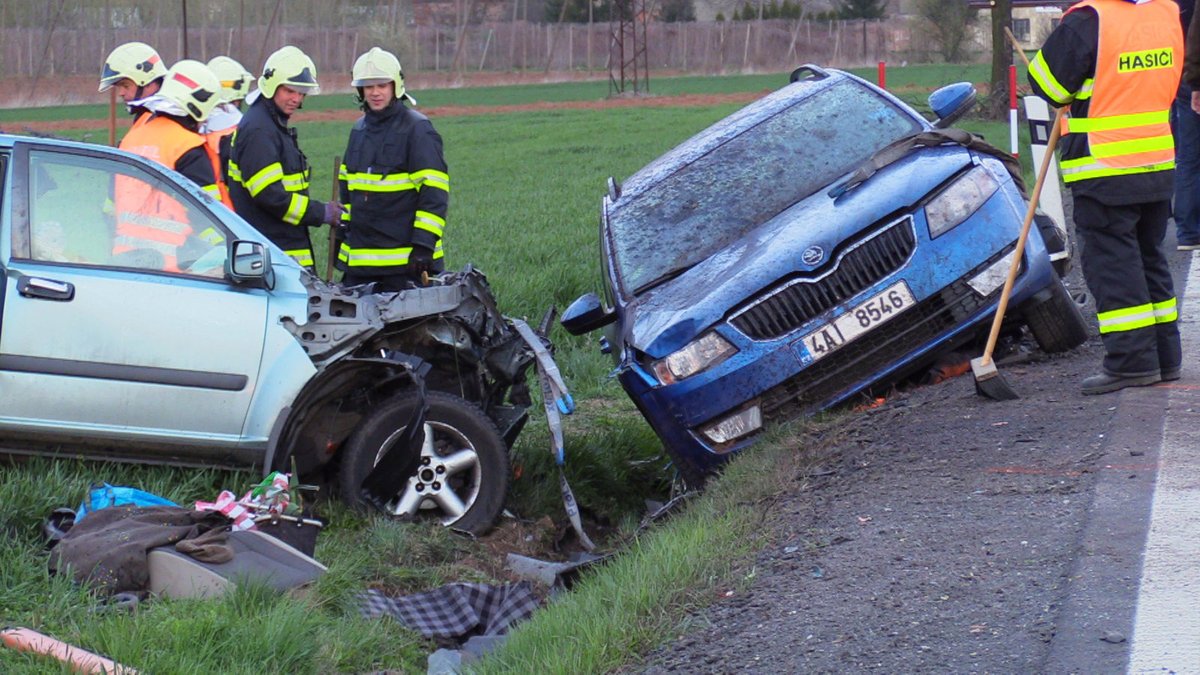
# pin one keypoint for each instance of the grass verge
(626, 607)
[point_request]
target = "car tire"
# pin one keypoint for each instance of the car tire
(1056, 323)
(463, 477)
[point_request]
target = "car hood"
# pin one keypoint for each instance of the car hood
(668, 316)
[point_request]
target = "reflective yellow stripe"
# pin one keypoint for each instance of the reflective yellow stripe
(271, 174)
(1086, 90)
(137, 243)
(1134, 146)
(1085, 124)
(295, 182)
(1039, 70)
(296, 210)
(1082, 168)
(342, 172)
(235, 172)
(432, 178)
(374, 182)
(374, 257)
(303, 256)
(437, 250)
(1128, 318)
(147, 220)
(212, 190)
(212, 236)
(1165, 311)
(430, 222)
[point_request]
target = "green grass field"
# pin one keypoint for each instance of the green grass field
(526, 190)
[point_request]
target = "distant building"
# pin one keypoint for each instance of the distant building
(1032, 20)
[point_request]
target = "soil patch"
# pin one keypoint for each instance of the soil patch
(694, 100)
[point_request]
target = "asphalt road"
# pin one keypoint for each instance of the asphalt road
(943, 532)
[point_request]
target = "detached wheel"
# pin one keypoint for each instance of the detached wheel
(1056, 323)
(462, 477)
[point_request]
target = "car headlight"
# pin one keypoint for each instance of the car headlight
(957, 202)
(704, 352)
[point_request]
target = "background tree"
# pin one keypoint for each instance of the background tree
(862, 9)
(948, 25)
(1002, 58)
(677, 10)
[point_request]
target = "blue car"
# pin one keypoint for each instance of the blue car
(823, 239)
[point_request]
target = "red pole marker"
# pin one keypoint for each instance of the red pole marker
(882, 75)
(1012, 110)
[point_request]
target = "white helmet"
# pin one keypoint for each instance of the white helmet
(137, 61)
(288, 66)
(235, 79)
(192, 86)
(378, 66)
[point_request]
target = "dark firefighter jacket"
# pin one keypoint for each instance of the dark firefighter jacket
(268, 180)
(1070, 55)
(395, 190)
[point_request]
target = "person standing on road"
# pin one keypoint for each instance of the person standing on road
(268, 174)
(1185, 124)
(394, 184)
(1117, 63)
(147, 222)
(135, 71)
(223, 121)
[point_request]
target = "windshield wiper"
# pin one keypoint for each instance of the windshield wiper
(897, 150)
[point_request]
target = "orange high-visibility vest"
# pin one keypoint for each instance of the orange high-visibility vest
(212, 145)
(1139, 60)
(148, 218)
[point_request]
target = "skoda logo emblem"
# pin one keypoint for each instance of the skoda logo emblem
(812, 255)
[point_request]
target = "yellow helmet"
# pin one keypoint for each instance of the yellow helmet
(235, 79)
(194, 87)
(134, 60)
(291, 67)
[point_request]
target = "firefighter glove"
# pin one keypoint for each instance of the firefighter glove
(421, 259)
(333, 214)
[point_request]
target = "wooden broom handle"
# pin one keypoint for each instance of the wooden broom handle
(994, 335)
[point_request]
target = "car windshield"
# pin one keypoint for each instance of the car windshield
(748, 180)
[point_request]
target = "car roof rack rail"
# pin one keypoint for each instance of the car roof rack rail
(808, 71)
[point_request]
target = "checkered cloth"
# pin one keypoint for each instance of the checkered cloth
(457, 610)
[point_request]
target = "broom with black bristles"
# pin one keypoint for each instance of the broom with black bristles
(988, 381)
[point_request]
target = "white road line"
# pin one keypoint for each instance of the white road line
(1166, 636)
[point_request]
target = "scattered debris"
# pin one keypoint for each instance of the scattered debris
(455, 611)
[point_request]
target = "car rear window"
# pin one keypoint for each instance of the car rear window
(751, 178)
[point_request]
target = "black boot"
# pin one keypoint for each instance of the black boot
(1104, 383)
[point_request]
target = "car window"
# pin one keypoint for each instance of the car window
(750, 179)
(100, 212)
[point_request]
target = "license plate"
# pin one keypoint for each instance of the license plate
(857, 322)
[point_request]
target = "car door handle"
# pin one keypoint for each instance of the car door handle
(46, 289)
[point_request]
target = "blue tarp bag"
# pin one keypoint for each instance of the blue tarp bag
(104, 495)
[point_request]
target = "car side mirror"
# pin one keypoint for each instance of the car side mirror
(586, 314)
(250, 264)
(951, 102)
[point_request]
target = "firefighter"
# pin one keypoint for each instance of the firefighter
(147, 219)
(1117, 64)
(268, 174)
(223, 121)
(136, 71)
(394, 184)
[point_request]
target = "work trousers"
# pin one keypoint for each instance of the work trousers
(1185, 126)
(1128, 274)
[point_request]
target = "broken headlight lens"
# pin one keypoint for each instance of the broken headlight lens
(958, 201)
(706, 351)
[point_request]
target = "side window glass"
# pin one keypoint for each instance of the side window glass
(99, 212)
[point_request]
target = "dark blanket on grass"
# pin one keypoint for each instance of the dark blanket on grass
(110, 548)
